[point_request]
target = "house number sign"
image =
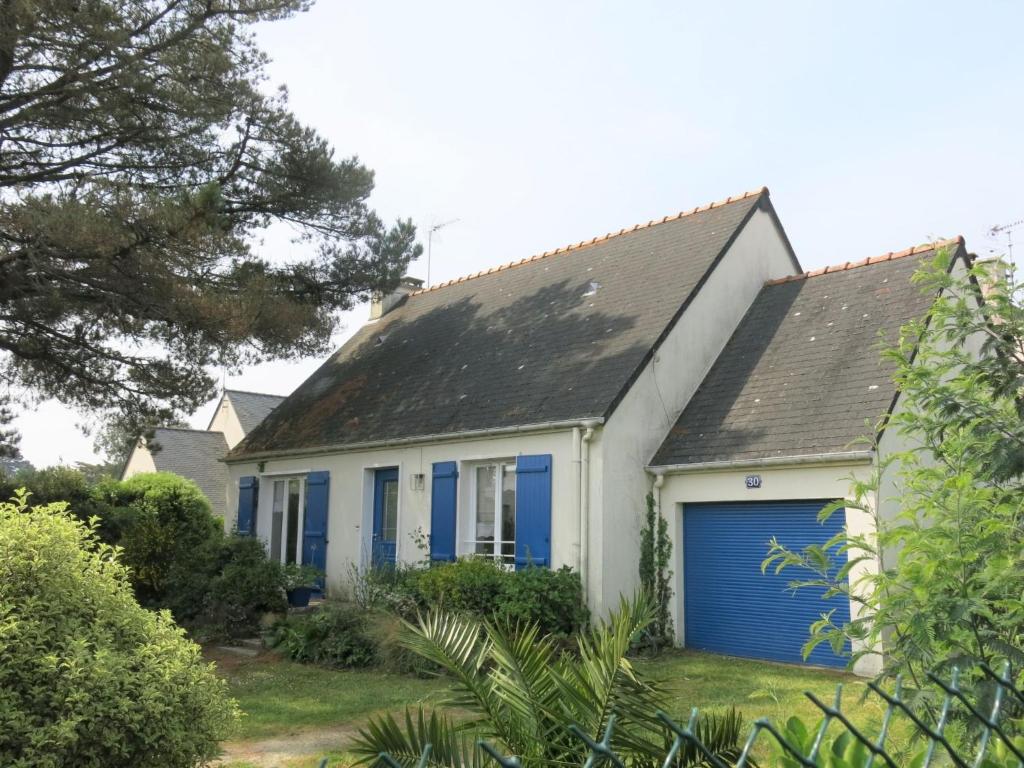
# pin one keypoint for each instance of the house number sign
(753, 481)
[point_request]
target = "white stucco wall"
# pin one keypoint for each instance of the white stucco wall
(140, 460)
(226, 420)
(823, 481)
(351, 493)
(647, 412)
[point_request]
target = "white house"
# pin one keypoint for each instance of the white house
(523, 413)
(198, 454)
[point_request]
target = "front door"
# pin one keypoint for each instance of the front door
(385, 517)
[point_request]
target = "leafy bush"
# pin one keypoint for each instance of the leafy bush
(472, 585)
(245, 585)
(87, 676)
(334, 635)
(54, 484)
(551, 599)
(392, 589)
(386, 630)
(170, 539)
(477, 586)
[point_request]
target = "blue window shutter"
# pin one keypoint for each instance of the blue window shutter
(533, 510)
(314, 521)
(443, 487)
(248, 493)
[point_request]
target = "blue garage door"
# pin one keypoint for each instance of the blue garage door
(731, 607)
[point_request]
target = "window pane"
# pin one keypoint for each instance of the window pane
(508, 514)
(508, 505)
(293, 521)
(276, 520)
(484, 548)
(485, 481)
(389, 529)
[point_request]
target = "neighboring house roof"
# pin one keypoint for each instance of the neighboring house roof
(9, 465)
(803, 372)
(252, 407)
(558, 336)
(196, 455)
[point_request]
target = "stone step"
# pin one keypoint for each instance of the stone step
(239, 650)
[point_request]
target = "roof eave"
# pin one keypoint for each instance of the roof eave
(802, 460)
(371, 445)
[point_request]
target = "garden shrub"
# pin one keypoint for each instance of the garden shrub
(335, 635)
(171, 540)
(551, 599)
(386, 631)
(87, 676)
(247, 584)
(481, 587)
(54, 484)
(392, 589)
(470, 585)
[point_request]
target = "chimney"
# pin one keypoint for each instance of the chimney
(381, 305)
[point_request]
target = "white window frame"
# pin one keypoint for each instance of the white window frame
(269, 535)
(468, 519)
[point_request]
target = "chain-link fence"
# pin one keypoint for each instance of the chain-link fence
(994, 737)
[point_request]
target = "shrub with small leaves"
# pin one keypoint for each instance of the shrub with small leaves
(553, 600)
(335, 635)
(247, 584)
(170, 538)
(470, 585)
(87, 676)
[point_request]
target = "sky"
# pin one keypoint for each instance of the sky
(875, 126)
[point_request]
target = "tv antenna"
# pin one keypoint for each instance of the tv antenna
(430, 241)
(1008, 229)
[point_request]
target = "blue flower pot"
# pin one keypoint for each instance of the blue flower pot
(299, 597)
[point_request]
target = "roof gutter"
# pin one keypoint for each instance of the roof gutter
(473, 434)
(819, 459)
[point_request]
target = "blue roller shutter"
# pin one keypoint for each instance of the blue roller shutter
(314, 520)
(730, 606)
(248, 497)
(533, 510)
(443, 487)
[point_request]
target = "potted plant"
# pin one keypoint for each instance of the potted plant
(300, 581)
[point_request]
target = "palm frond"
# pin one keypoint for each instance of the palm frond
(462, 648)
(449, 747)
(722, 735)
(603, 681)
(521, 677)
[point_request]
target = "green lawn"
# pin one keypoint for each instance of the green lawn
(757, 689)
(280, 698)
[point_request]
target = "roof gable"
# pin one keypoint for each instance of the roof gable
(803, 373)
(552, 338)
(252, 407)
(196, 455)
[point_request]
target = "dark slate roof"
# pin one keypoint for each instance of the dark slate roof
(803, 373)
(521, 344)
(196, 455)
(252, 407)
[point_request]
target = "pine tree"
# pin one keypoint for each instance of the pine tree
(140, 160)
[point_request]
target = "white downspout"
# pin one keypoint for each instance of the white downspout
(577, 464)
(585, 507)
